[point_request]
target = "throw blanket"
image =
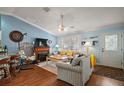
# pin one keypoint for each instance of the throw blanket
(92, 60)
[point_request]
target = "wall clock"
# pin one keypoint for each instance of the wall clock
(16, 36)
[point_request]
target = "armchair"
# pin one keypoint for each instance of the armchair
(75, 75)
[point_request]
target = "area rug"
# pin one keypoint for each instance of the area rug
(49, 67)
(110, 72)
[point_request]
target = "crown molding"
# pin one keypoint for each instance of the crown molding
(24, 20)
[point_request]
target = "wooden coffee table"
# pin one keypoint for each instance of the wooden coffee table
(57, 58)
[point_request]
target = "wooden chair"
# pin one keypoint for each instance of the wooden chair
(14, 65)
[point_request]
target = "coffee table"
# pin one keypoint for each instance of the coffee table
(58, 58)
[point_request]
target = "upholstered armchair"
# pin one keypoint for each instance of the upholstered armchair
(75, 75)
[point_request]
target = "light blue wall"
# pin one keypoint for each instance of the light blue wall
(10, 23)
(99, 32)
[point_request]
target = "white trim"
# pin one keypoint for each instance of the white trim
(22, 19)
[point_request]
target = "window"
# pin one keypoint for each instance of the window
(71, 42)
(111, 42)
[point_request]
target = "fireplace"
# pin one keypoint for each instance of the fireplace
(41, 49)
(41, 53)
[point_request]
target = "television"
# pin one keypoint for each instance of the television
(40, 42)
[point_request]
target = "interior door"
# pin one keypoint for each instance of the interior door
(112, 54)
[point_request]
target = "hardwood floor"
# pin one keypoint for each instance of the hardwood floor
(35, 77)
(97, 80)
(40, 77)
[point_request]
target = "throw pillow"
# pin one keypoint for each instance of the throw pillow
(71, 60)
(76, 61)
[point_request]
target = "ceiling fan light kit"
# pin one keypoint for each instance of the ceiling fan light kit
(61, 28)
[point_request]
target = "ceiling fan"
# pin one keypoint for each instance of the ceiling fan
(62, 28)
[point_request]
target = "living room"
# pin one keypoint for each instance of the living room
(60, 46)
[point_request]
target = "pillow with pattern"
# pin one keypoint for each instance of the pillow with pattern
(76, 61)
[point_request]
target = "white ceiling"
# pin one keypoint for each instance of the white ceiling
(83, 19)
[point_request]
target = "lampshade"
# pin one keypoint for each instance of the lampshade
(57, 46)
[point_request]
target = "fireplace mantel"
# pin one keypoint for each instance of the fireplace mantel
(41, 49)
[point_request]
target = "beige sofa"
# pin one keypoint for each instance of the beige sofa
(75, 75)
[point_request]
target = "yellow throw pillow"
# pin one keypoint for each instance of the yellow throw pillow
(62, 52)
(69, 53)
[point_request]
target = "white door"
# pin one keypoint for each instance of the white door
(111, 50)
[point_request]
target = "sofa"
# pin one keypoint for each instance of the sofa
(74, 75)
